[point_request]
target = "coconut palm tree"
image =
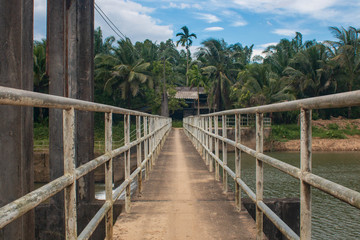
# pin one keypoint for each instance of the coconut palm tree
(309, 72)
(124, 71)
(186, 41)
(221, 70)
(197, 79)
(345, 53)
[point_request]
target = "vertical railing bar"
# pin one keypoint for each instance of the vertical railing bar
(259, 175)
(216, 119)
(306, 166)
(108, 176)
(127, 162)
(69, 168)
(206, 141)
(138, 151)
(237, 161)
(211, 163)
(146, 148)
(224, 153)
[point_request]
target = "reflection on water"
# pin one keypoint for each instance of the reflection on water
(332, 218)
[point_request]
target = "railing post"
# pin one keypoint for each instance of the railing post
(216, 119)
(108, 176)
(306, 166)
(127, 162)
(259, 175)
(224, 153)
(152, 141)
(138, 151)
(211, 167)
(237, 161)
(69, 169)
(206, 141)
(146, 148)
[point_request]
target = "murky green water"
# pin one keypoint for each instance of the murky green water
(332, 218)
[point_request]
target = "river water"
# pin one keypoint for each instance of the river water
(331, 218)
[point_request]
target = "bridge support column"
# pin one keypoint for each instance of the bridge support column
(70, 69)
(16, 128)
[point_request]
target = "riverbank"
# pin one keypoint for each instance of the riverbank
(342, 135)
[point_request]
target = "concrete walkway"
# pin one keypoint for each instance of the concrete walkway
(181, 200)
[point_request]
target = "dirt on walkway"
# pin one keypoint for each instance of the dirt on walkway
(181, 200)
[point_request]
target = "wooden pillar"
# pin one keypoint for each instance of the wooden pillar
(16, 128)
(70, 69)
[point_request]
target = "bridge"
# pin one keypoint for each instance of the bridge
(181, 175)
(180, 198)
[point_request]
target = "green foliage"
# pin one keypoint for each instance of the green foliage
(177, 124)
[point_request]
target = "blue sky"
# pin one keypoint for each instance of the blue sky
(258, 22)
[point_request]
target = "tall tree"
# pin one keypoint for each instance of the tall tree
(197, 79)
(186, 41)
(220, 68)
(345, 53)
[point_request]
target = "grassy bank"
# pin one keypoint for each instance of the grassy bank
(283, 133)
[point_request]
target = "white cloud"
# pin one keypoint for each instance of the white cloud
(265, 45)
(133, 20)
(210, 18)
(213, 29)
(39, 7)
(289, 32)
(193, 49)
(239, 23)
(259, 49)
(183, 6)
(324, 10)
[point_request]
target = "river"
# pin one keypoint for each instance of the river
(331, 218)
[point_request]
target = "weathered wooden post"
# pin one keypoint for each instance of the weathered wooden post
(69, 168)
(108, 176)
(306, 167)
(211, 160)
(146, 148)
(216, 119)
(224, 153)
(237, 161)
(16, 128)
(259, 175)
(127, 161)
(138, 151)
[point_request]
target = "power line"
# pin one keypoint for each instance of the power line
(107, 20)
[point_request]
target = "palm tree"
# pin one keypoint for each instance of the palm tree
(258, 85)
(41, 79)
(123, 71)
(186, 41)
(220, 68)
(198, 80)
(345, 53)
(309, 72)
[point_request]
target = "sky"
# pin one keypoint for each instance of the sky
(258, 22)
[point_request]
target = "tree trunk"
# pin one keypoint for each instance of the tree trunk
(164, 99)
(198, 112)
(187, 65)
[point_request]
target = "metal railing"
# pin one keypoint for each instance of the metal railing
(203, 130)
(151, 135)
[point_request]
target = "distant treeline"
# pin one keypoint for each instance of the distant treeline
(133, 75)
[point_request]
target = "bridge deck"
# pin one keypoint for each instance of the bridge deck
(181, 200)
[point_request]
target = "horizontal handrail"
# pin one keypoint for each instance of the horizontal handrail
(338, 100)
(204, 134)
(151, 135)
(18, 97)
